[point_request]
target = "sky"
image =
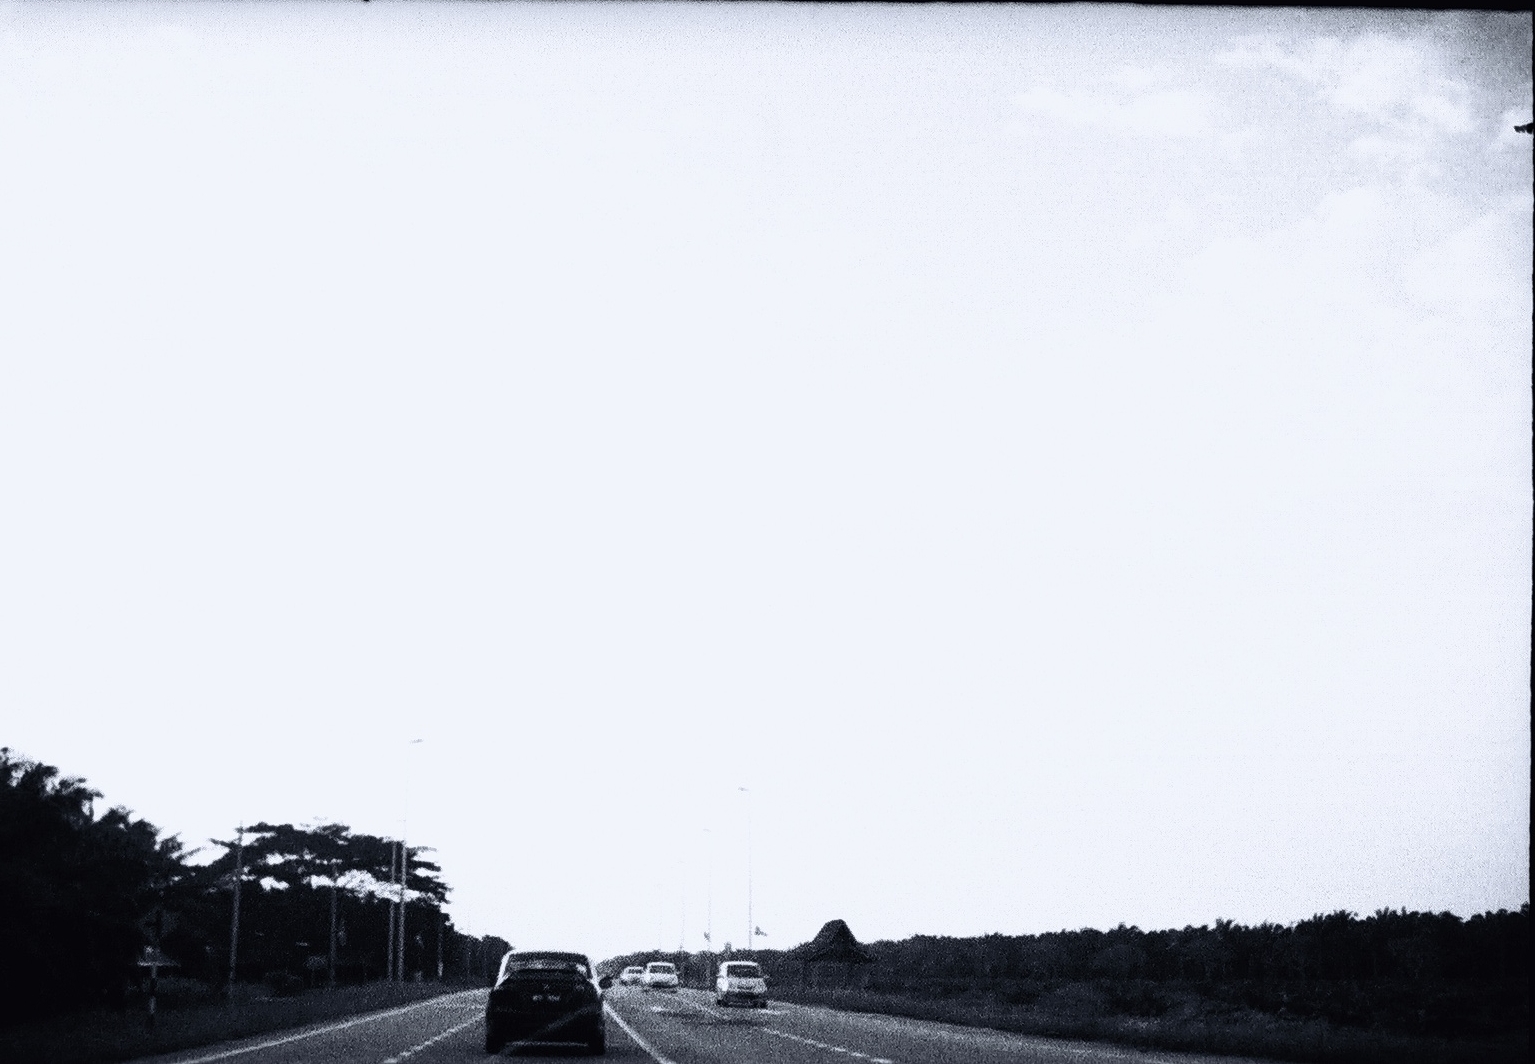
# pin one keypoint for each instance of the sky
(951, 469)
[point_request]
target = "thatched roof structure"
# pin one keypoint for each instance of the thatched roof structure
(834, 943)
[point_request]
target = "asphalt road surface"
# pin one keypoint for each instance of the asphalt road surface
(667, 1028)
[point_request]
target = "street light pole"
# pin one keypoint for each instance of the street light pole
(394, 860)
(330, 979)
(404, 866)
(399, 938)
(750, 926)
(234, 917)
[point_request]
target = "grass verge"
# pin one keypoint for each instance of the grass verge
(1250, 1035)
(106, 1036)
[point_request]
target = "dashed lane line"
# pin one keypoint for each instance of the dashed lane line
(797, 1038)
(1096, 1051)
(273, 1042)
(398, 1057)
(705, 1009)
(1076, 1051)
(855, 1054)
(635, 1035)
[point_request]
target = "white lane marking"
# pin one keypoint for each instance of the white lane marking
(633, 1034)
(823, 1045)
(969, 1032)
(397, 1058)
(224, 1055)
(1055, 1045)
(795, 1037)
(705, 1009)
(1020, 1040)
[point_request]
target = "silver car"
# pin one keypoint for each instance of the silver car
(660, 975)
(741, 983)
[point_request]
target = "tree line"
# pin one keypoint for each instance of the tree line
(1415, 973)
(1387, 945)
(83, 894)
(1391, 945)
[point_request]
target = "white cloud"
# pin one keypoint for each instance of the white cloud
(1481, 270)
(1179, 213)
(174, 38)
(1357, 209)
(1371, 76)
(1133, 78)
(1337, 272)
(1445, 109)
(1375, 148)
(1395, 84)
(1172, 113)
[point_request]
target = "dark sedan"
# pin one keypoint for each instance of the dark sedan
(546, 998)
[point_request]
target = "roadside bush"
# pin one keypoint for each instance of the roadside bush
(284, 984)
(1021, 992)
(1074, 1001)
(180, 992)
(1137, 997)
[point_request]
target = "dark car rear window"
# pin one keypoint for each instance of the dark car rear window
(546, 962)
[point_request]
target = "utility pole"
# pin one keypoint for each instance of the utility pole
(399, 939)
(708, 949)
(441, 920)
(331, 976)
(750, 926)
(234, 919)
(389, 949)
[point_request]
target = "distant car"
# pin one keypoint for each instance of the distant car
(659, 975)
(741, 983)
(632, 976)
(546, 998)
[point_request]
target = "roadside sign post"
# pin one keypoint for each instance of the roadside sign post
(158, 926)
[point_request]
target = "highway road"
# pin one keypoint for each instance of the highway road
(666, 1028)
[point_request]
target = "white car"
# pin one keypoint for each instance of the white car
(659, 975)
(741, 983)
(632, 976)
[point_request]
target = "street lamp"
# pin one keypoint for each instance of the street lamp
(709, 879)
(750, 926)
(399, 940)
(234, 915)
